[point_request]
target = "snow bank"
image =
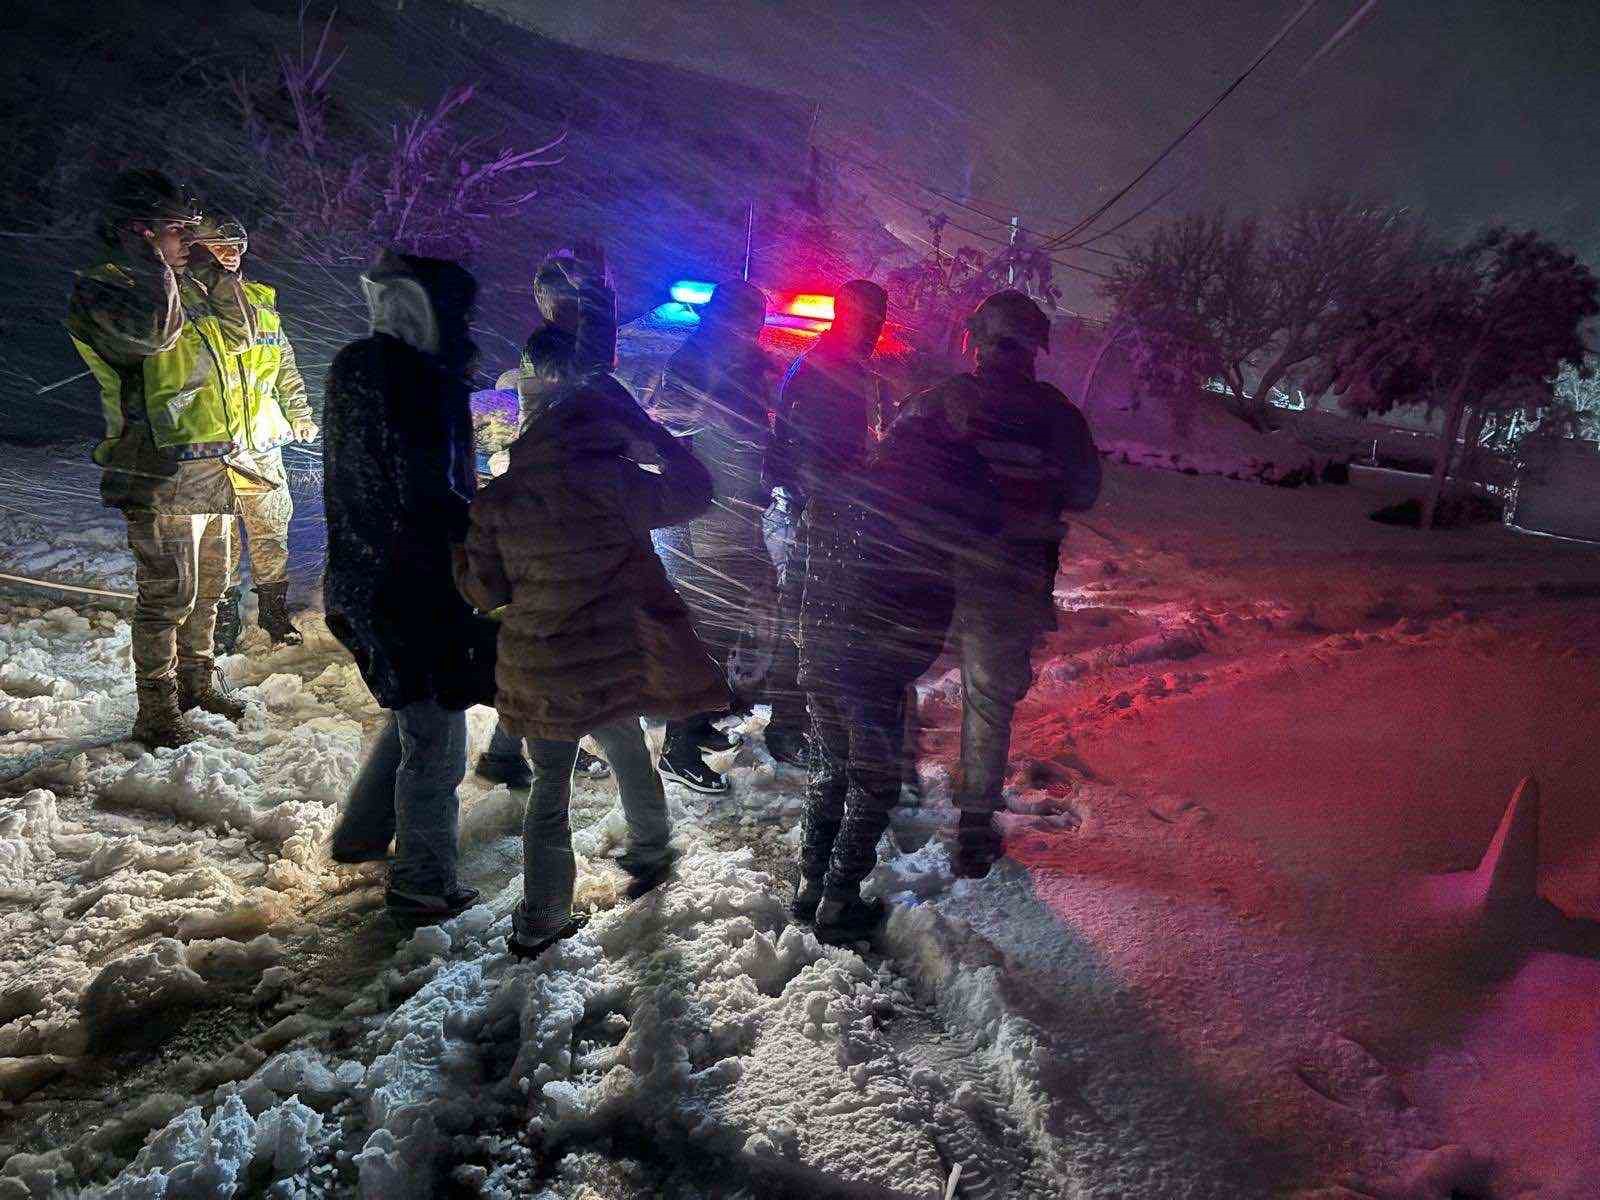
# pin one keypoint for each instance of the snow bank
(1198, 436)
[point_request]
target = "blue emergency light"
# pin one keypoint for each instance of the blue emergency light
(692, 291)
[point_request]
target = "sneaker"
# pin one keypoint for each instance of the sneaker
(592, 765)
(352, 855)
(807, 896)
(787, 746)
(421, 908)
(529, 949)
(510, 769)
(691, 771)
(644, 878)
(840, 922)
(718, 741)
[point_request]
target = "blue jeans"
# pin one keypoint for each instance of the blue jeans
(406, 790)
(549, 870)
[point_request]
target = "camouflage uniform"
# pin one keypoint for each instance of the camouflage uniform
(1039, 452)
(133, 319)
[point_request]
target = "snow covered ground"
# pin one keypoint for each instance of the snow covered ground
(1214, 964)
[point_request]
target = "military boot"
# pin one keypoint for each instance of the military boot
(160, 724)
(272, 600)
(229, 623)
(197, 688)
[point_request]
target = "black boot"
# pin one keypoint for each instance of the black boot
(510, 769)
(787, 745)
(160, 724)
(839, 922)
(229, 623)
(198, 688)
(978, 844)
(273, 602)
(807, 896)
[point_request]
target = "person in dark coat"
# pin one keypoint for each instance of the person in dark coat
(592, 635)
(399, 474)
(714, 396)
(575, 340)
(928, 503)
(829, 413)
(1039, 451)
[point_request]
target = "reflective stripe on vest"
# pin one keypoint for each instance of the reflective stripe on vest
(265, 425)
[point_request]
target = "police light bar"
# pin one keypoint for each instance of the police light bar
(808, 311)
(692, 291)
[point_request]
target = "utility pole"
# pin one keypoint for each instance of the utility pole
(1016, 235)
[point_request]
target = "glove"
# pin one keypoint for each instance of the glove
(304, 429)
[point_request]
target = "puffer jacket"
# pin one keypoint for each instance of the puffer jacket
(591, 630)
(398, 476)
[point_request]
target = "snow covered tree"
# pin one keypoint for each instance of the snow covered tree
(1478, 331)
(1250, 303)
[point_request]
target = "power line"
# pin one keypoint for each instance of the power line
(1192, 126)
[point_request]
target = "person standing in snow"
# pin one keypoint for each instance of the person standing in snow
(576, 339)
(592, 635)
(713, 396)
(828, 414)
(275, 412)
(163, 343)
(399, 472)
(1041, 456)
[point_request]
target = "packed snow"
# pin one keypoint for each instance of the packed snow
(1257, 735)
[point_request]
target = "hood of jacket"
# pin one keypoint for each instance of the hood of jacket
(424, 302)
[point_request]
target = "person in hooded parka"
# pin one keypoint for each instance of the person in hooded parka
(399, 475)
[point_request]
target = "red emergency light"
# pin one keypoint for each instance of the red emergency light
(809, 312)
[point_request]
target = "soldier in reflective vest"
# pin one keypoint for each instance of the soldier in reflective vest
(276, 412)
(162, 342)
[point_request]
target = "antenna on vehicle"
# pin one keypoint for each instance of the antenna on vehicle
(749, 236)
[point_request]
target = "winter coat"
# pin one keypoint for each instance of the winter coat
(164, 349)
(591, 630)
(1033, 439)
(398, 476)
(931, 510)
(713, 395)
(1035, 448)
(829, 411)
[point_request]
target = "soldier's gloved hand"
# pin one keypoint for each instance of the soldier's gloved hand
(304, 429)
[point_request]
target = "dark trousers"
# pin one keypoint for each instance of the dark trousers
(856, 769)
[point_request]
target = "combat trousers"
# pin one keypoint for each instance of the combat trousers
(264, 521)
(181, 568)
(1001, 609)
(853, 786)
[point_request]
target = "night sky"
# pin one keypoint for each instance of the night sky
(1471, 110)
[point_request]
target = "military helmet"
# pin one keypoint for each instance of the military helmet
(149, 195)
(1012, 317)
(219, 229)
